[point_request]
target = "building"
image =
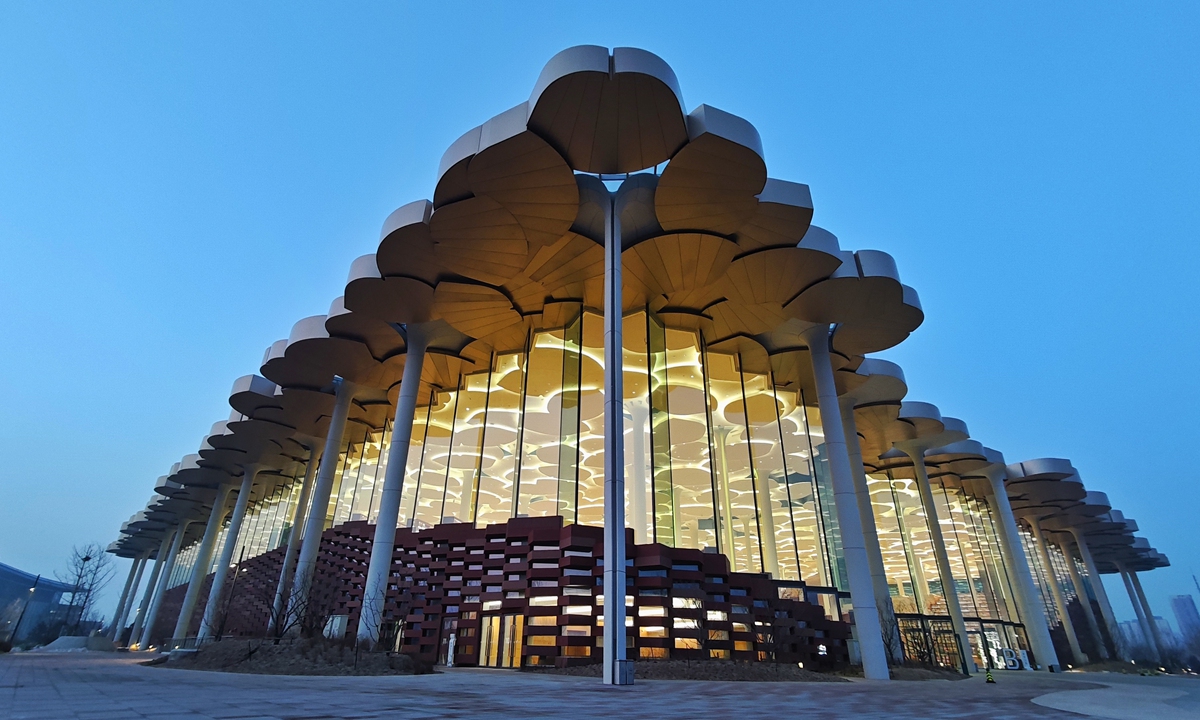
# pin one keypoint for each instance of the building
(611, 319)
(29, 604)
(1186, 617)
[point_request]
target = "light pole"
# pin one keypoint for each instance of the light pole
(617, 668)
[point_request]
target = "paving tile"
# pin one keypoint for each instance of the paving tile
(102, 686)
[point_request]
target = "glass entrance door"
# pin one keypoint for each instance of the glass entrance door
(500, 643)
(514, 627)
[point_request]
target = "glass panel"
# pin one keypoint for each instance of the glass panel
(461, 481)
(801, 485)
(992, 575)
(435, 462)
(1040, 580)
(770, 477)
(922, 565)
(351, 479)
(289, 513)
(412, 471)
(590, 492)
(568, 448)
(639, 501)
(832, 535)
(498, 464)
(537, 491)
(691, 468)
(731, 450)
(893, 545)
(378, 457)
(957, 550)
(662, 491)
(590, 467)
(1000, 568)
(335, 494)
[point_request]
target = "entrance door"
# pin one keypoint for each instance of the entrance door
(514, 628)
(993, 638)
(500, 642)
(489, 642)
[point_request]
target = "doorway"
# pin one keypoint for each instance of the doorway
(500, 644)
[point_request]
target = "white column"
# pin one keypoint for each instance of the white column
(203, 559)
(1084, 602)
(293, 546)
(380, 567)
(1056, 591)
(945, 575)
(1155, 636)
(212, 610)
(879, 583)
(720, 438)
(617, 669)
(131, 586)
(858, 569)
(163, 579)
(1140, 612)
(314, 525)
(639, 418)
(1028, 604)
(135, 637)
(766, 524)
(1097, 584)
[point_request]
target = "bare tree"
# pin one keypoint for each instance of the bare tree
(304, 616)
(89, 569)
(892, 643)
(918, 645)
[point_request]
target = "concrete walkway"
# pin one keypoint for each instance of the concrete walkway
(98, 686)
(1131, 697)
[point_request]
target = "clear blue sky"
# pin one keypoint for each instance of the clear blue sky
(180, 182)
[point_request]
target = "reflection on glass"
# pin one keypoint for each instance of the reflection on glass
(807, 522)
(498, 459)
(739, 514)
(717, 456)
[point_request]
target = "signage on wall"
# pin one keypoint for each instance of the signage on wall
(1016, 659)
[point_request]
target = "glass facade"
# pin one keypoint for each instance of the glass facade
(980, 578)
(719, 457)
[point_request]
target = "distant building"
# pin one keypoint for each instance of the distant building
(1131, 631)
(1168, 634)
(1186, 616)
(26, 601)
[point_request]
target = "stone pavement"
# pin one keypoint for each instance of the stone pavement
(1130, 697)
(100, 686)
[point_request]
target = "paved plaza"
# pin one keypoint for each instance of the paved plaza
(102, 687)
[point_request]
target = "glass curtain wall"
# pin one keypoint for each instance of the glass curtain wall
(717, 456)
(1040, 576)
(981, 581)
